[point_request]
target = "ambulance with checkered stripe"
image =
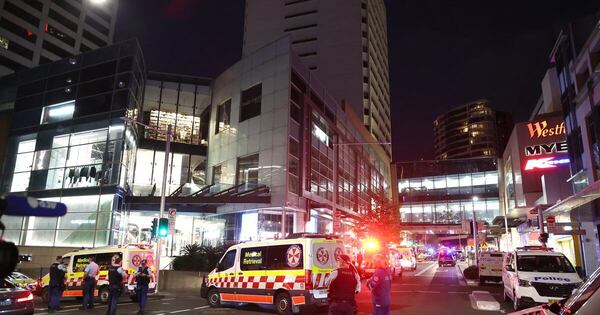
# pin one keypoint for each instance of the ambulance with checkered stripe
(287, 273)
(76, 261)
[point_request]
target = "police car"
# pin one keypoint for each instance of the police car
(533, 275)
(287, 273)
(76, 261)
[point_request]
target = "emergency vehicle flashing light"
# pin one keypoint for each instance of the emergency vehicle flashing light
(370, 245)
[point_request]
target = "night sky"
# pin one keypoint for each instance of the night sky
(442, 53)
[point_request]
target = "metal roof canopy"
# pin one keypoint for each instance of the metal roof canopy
(587, 195)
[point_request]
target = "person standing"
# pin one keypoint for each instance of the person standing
(116, 276)
(142, 278)
(380, 285)
(344, 283)
(56, 285)
(89, 283)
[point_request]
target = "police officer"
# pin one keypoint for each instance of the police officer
(344, 283)
(116, 276)
(380, 285)
(89, 283)
(142, 278)
(56, 285)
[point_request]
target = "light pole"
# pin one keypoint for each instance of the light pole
(475, 198)
(163, 188)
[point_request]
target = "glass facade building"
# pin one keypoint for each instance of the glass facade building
(441, 192)
(68, 143)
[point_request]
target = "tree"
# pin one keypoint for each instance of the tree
(196, 257)
(382, 222)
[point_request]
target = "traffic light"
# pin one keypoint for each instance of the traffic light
(154, 228)
(163, 227)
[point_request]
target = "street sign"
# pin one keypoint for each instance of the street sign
(172, 217)
(550, 221)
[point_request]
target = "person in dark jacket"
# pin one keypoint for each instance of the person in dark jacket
(116, 277)
(142, 278)
(56, 285)
(344, 283)
(380, 285)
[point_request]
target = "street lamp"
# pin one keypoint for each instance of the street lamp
(164, 185)
(97, 2)
(475, 198)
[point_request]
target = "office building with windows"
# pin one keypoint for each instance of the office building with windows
(274, 124)
(319, 31)
(471, 130)
(436, 196)
(35, 32)
(68, 143)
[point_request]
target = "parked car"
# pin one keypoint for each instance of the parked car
(22, 281)
(535, 276)
(409, 259)
(446, 258)
(584, 301)
(14, 300)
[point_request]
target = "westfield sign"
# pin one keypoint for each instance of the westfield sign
(541, 129)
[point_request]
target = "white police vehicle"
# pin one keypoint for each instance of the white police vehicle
(533, 275)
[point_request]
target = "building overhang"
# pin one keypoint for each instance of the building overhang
(439, 229)
(585, 196)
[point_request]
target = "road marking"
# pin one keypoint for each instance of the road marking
(425, 270)
(201, 307)
(428, 291)
(180, 311)
(459, 292)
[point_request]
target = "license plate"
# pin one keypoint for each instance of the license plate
(320, 294)
(5, 302)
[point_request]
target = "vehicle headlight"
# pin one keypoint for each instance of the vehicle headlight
(524, 283)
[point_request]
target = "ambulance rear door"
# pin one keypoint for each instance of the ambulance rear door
(325, 254)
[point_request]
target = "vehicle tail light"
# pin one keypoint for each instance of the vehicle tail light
(28, 297)
(308, 285)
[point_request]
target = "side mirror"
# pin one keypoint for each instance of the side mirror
(509, 268)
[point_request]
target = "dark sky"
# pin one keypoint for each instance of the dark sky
(442, 53)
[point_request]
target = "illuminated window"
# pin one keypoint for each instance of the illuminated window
(466, 129)
(475, 133)
(320, 129)
(57, 112)
(4, 42)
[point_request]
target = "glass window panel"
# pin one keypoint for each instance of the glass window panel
(415, 183)
(26, 146)
(20, 182)
(75, 238)
(55, 178)
(24, 162)
(41, 160)
(169, 93)
(104, 220)
(428, 183)
(247, 170)
(60, 141)
(89, 137)
(102, 238)
(81, 221)
(478, 179)
(40, 237)
(58, 158)
(452, 181)
(81, 203)
(491, 178)
(106, 202)
(86, 154)
(427, 213)
(439, 182)
(465, 180)
(403, 185)
(12, 222)
(12, 236)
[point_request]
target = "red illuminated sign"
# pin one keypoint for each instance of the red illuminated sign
(544, 163)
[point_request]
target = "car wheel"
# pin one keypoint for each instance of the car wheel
(516, 302)
(45, 295)
(214, 298)
(283, 304)
(103, 294)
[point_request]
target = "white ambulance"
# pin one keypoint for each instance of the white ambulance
(76, 261)
(533, 275)
(287, 273)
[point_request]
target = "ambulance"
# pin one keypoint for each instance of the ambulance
(76, 261)
(287, 273)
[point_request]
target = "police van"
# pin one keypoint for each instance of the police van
(534, 275)
(76, 261)
(287, 273)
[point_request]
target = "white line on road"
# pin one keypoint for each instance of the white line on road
(201, 307)
(424, 270)
(428, 291)
(180, 311)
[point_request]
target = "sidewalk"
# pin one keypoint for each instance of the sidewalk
(461, 267)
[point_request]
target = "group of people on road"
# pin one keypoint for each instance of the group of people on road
(344, 284)
(116, 278)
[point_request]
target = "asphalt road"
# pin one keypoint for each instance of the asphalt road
(430, 290)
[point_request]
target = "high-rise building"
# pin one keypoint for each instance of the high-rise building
(343, 42)
(34, 32)
(471, 130)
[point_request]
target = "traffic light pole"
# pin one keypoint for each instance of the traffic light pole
(162, 201)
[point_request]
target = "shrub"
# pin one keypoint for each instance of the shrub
(198, 257)
(471, 272)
